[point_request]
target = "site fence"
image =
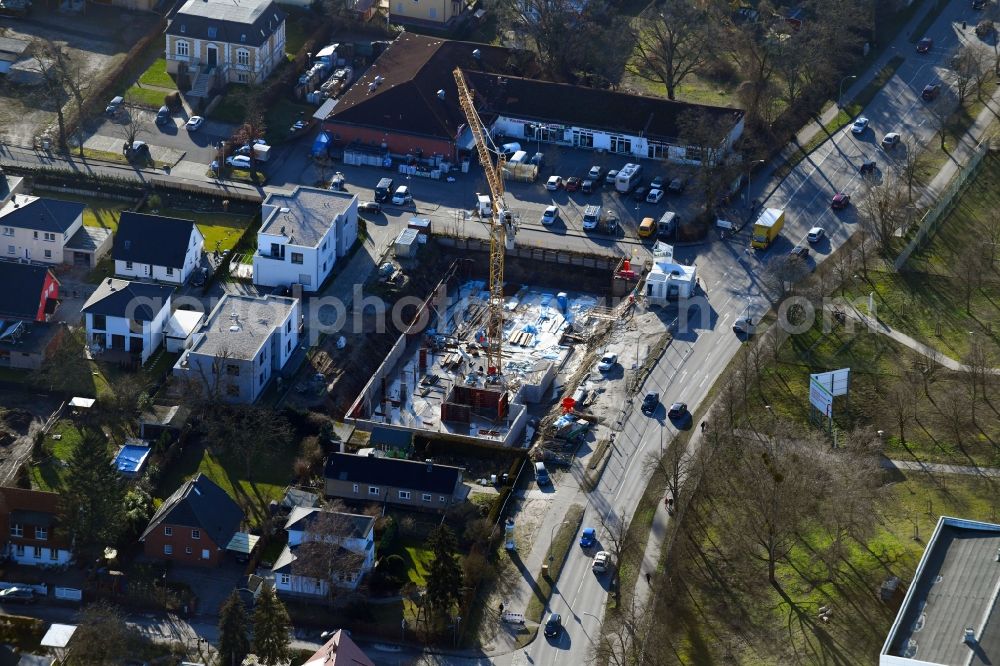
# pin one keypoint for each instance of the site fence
(936, 213)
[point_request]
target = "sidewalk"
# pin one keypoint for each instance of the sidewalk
(940, 468)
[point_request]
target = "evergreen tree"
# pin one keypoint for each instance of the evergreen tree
(444, 577)
(234, 631)
(94, 497)
(271, 625)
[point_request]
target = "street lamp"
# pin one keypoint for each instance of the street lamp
(749, 169)
(840, 92)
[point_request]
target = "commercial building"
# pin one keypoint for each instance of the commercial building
(949, 614)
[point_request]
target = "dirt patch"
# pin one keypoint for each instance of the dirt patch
(95, 41)
(22, 415)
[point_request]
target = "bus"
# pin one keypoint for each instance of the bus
(628, 177)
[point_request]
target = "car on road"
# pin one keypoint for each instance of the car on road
(639, 193)
(650, 403)
(931, 91)
(572, 184)
(816, 234)
(588, 537)
(370, 207)
(925, 45)
(18, 595)
(678, 410)
(553, 625)
(867, 167)
(890, 140)
(840, 201)
(677, 186)
(595, 173)
(163, 115)
(859, 126)
(553, 183)
(194, 123)
(657, 183)
(799, 252)
(602, 562)
(607, 362)
(238, 162)
(654, 196)
(550, 215)
(610, 178)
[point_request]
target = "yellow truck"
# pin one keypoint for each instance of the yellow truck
(767, 227)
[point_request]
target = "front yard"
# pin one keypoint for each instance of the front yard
(49, 474)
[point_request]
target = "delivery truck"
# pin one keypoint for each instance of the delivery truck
(767, 227)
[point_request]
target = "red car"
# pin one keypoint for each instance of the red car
(925, 45)
(840, 201)
(572, 184)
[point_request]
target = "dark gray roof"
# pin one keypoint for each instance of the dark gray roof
(382, 436)
(153, 239)
(24, 301)
(411, 474)
(249, 22)
(300, 518)
(38, 214)
(954, 588)
(87, 239)
(201, 504)
(140, 301)
(242, 336)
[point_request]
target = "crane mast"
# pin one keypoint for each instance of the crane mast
(502, 225)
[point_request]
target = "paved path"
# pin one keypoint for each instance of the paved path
(941, 468)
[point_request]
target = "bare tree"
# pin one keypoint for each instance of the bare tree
(672, 468)
(706, 135)
(978, 375)
(133, 124)
(884, 212)
(757, 54)
(941, 111)
(992, 227)
(966, 70)
(623, 637)
(619, 545)
(899, 403)
(780, 273)
(101, 637)
(910, 163)
(674, 40)
(971, 263)
(46, 58)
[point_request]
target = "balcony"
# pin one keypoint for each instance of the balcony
(271, 255)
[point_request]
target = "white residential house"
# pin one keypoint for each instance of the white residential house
(243, 343)
(125, 320)
(215, 42)
(49, 231)
(302, 234)
(153, 247)
(352, 535)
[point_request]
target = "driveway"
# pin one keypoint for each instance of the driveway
(172, 138)
(212, 586)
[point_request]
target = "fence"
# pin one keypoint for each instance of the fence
(69, 594)
(944, 204)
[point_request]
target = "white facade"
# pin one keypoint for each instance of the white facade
(107, 332)
(169, 274)
(289, 582)
(668, 281)
(41, 246)
(626, 145)
(302, 236)
(38, 556)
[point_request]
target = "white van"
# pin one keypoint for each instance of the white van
(402, 196)
(509, 149)
(541, 474)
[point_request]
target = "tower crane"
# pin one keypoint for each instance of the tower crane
(503, 226)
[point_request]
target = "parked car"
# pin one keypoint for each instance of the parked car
(550, 215)
(657, 183)
(370, 207)
(553, 625)
(402, 196)
(654, 196)
(925, 45)
(840, 201)
(677, 186)
(113, 106)
(816, 234)
(17, 595)
(588, 537)
(650, 403)
(163, 115)
(588, 185)
(799, 252)
(553, 183)
(859, 126)
(139, 151)
(931, 91)
(572, 184)
(595, 173)
(198, 276)
(194, 123)
(677, 411)
(239, 162)
(610, 178)
(890, 140)
(639, 193)
(867, 167)
(607, 362)
(538, 159)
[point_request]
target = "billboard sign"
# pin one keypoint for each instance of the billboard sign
(820, 396)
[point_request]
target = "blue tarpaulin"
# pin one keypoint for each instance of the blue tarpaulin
(321, 145)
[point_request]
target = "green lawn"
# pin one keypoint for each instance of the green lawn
(157, 75)
(150, 98)
(418, 560)
(269, 482)
(59, 444)
(298, 25)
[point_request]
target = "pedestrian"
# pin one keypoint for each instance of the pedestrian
(963, 25)
(703, 423)
(648, 578)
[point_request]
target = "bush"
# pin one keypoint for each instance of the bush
(394, 567)
(389, 542)
(312, 454)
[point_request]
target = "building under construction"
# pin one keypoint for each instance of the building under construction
(435, 381)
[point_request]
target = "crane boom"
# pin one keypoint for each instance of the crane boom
(502, 225)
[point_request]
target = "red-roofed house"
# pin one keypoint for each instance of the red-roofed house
(340, 650)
